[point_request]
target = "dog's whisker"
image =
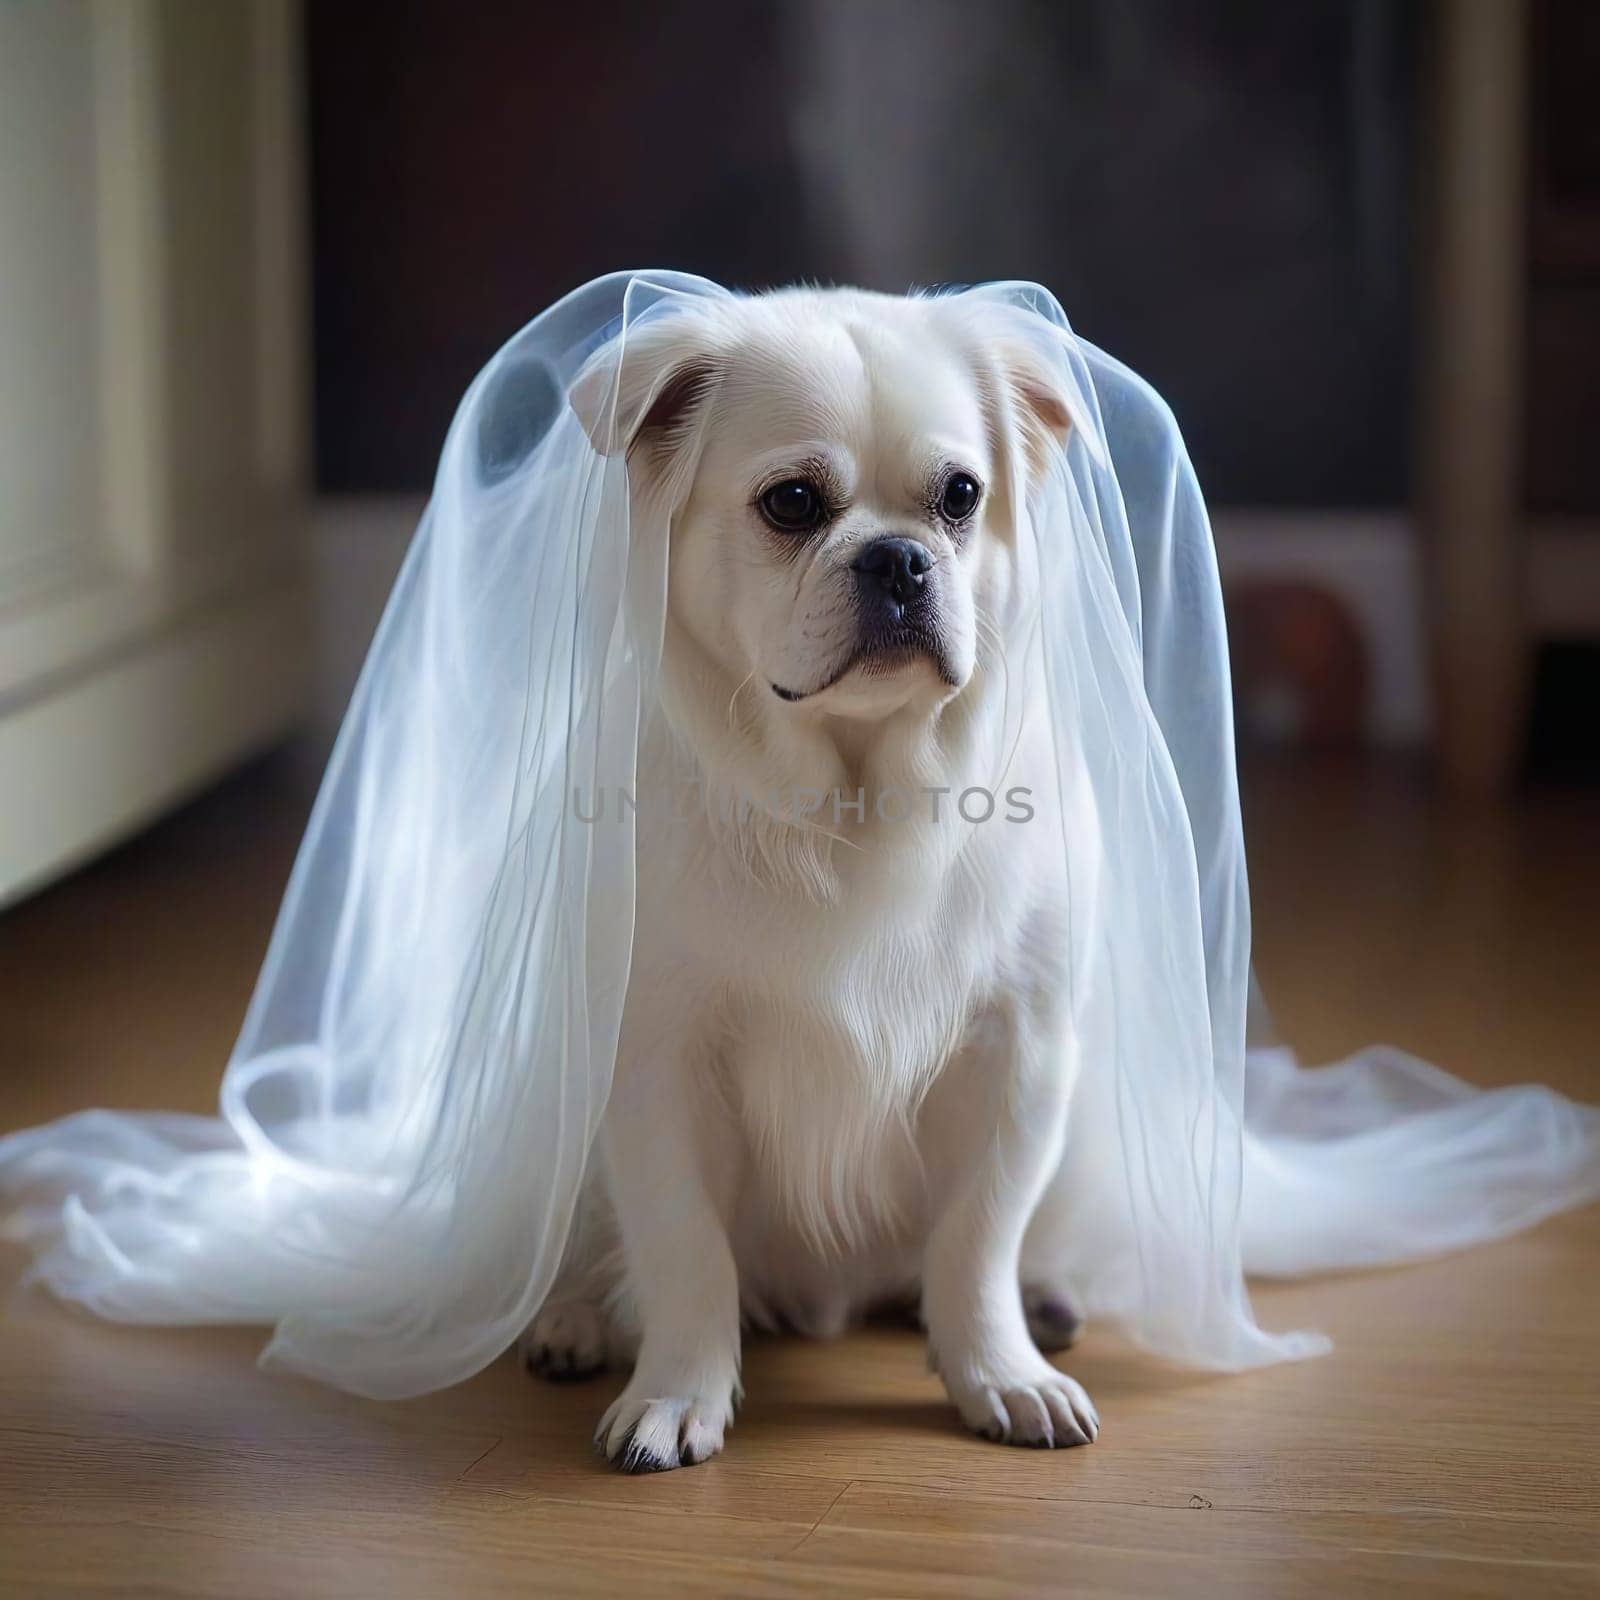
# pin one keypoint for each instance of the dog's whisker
(733, 699)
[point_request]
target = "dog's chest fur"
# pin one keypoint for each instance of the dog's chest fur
(830, 1022)
(831, 1053)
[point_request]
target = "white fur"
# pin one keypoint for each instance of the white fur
(844, 1068)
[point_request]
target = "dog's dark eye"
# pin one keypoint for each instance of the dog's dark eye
(960, 496)
(793, 506)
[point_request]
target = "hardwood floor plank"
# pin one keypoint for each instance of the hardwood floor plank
(1201, 1532)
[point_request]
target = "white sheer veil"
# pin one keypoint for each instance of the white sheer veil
(407, 1116)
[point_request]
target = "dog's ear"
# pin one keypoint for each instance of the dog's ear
(1026, 367)
(1038, 399)
(644, 397)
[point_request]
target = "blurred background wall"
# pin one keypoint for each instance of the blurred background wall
(1223, 196)
(1356, 243)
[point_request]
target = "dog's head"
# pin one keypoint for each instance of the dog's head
(846, 469)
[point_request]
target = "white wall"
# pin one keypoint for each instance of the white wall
(152, 341)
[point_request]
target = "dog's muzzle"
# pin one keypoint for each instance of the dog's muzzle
(897, 604)
(897, 614)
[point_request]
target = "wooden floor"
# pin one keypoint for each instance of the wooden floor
(1450, 1446)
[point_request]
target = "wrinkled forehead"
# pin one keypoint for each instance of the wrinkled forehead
(886, 386)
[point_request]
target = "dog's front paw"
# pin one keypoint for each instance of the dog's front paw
(566, 1341)
(1026, 1403)
(642, 1433)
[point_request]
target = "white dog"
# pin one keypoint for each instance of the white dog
(844, 1068)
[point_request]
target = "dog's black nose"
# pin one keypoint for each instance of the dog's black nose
(895, 566)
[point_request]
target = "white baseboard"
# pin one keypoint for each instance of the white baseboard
(91, 761)
(1368, 559)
